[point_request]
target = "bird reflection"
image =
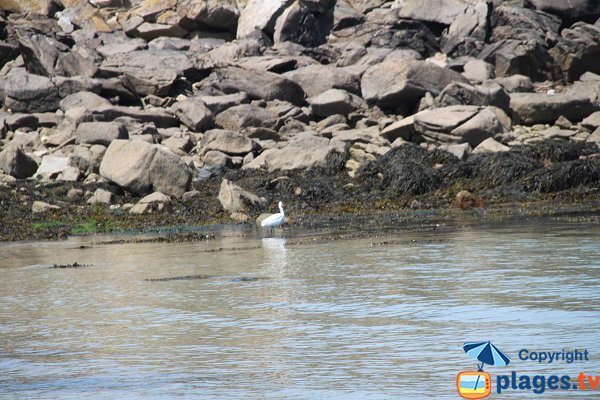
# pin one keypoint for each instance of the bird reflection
(276, 252)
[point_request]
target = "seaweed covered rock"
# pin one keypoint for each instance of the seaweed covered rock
(499, 169)
(405, 170)
(551, 150)
(564, 175)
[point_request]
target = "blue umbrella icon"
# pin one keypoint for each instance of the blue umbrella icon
(487, 353)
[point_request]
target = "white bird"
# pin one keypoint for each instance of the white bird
(274, 220)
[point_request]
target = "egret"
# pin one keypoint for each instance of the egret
(274, 220)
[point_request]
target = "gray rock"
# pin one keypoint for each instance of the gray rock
(515, 83)
(100, 196)
(150, 71)
(578, 50)
(46, 56)
(468, 31)
(52, 166)
(150, 31)
(247, 115)
(124, 47)
(42, 207)
(460, 151)
(303, 152)
(443, 12)
(524, 57)
(478, 71)
(139, 166)
(75, 193)
(228, 142)
(458, 124)
(396, 82)
(260, 14)
(330, 77)
(70, 85)
(594, 137)
(257, 84)
(87, 159)
(487, 94)
(535, 108)
(592, 121)
(169, 174)
(490, 145)
(213, 13)
(194, 114)
(160, 117)
(127, 163)
(568, 10)
(218, 104)
(15, 162)
(25, 92)
(100, 132)
(334, 101)
(87, 100)
(405, 129)
(235, 199)
(153, 202)
(179, 144)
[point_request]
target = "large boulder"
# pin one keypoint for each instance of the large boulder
(458, 124)
(394, 82)
(87, 100)
(44, 55)
(468, 31)
(523, 57)
(488, 94)
(569, 11)
(15, 162)
(169, 174)
(535, 108)
(316, 79)
(213, 14)
(150, 71)
(29, 93)
(304, 152)
(257, 84)
(139, 166)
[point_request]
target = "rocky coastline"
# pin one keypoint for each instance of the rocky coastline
(161, 113)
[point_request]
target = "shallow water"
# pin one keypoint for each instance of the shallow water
(290, 317)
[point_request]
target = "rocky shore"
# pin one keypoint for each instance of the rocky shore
(129, 114)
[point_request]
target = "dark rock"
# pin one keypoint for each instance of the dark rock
(401, 171)
(299, 24)
(488, 94)
(14, 162)
(569, 11)
(44, 55)
(502, 168)
(578, 50)
(563, 176)
(161, 118)
(529, 58)
(8, 52)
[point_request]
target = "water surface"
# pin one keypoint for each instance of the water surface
(290, 317)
